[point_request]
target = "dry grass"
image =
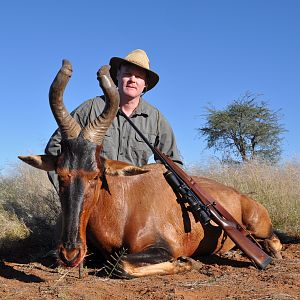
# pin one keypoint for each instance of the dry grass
(12, 229)
(28, 208)
(277, 187)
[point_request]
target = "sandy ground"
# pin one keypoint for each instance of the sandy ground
(219, 278)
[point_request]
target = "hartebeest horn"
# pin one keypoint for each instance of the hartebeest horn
(69, 128)
(95, 131)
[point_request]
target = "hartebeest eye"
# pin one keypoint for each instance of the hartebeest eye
(64, 179)
(93, 178)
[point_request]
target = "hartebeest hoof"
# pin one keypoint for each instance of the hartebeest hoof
(273, 246)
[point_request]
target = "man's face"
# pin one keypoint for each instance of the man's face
(131, 81)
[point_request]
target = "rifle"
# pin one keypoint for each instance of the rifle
(205, 208)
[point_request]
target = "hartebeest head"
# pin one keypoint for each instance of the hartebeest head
(79, 167)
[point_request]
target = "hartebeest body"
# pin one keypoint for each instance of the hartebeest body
(119, 205)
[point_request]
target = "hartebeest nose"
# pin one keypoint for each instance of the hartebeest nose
(70, 256)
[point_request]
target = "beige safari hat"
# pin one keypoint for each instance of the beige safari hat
(139, 58)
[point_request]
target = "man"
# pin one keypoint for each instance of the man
(133, 77)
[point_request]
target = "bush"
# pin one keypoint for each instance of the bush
(12, 230)
(29, 208)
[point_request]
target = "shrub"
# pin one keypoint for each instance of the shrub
(29, 207)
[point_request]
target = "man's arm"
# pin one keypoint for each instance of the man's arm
(53, 147)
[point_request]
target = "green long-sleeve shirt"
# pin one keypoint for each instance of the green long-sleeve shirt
(121, 141)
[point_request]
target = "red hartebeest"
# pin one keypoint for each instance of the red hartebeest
(119, 205)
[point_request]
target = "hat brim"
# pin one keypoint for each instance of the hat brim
(115, 62)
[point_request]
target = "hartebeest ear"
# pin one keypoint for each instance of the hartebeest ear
(119, 168)
(43, 162)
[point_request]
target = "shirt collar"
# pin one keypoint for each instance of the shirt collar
(141, 109)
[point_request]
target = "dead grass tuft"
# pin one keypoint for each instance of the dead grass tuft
(29, 207)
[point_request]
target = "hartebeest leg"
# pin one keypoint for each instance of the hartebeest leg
(174, 266)
(152, 261)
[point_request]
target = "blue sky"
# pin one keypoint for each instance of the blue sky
(204, 51)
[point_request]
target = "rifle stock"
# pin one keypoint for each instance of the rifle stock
(236, 232)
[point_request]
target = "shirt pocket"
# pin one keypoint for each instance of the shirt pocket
(139, 150)
(139, 143)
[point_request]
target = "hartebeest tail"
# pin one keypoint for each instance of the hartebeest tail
(116, 205)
